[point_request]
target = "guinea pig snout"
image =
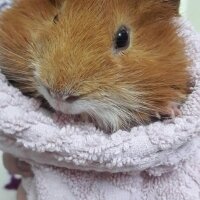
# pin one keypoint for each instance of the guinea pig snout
(66, 96)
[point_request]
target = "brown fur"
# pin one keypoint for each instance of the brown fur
(73, 52)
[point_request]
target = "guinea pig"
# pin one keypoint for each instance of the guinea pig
(119, 62)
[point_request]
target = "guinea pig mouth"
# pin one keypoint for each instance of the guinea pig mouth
(66, 108)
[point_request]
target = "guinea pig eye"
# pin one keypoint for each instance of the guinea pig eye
(122, 39)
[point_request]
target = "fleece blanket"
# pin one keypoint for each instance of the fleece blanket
(75, 161)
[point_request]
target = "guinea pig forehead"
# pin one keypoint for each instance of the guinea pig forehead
(101, 11)
(86, 20)
(77, 7)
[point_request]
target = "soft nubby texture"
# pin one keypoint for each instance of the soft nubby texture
(155, 162)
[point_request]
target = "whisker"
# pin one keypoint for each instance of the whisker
(29, 89)
(13, 53)
(12, 60)
(16, 73)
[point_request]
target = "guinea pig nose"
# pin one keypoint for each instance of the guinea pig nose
(71, 98)
(63, 97)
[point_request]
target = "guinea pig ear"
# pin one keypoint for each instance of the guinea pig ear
(57, 3)
(173, 2)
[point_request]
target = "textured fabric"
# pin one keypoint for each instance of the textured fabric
(5, 4)
(155, 162)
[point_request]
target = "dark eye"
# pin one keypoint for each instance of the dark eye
(122, 39)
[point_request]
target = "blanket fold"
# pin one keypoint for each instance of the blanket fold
(76, 161)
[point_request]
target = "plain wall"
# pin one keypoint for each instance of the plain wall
(191, 10)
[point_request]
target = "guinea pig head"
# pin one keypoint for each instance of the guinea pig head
(119, 61)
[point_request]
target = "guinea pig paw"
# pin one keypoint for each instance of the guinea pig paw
(158, 115)
(173, 110)
(169, 112)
